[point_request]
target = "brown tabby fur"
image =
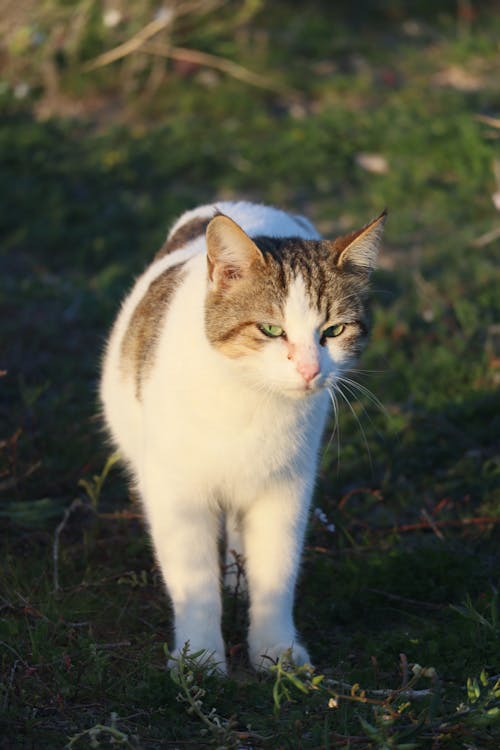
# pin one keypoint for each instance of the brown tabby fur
(142, 333)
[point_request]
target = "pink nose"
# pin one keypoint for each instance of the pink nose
(308, 370)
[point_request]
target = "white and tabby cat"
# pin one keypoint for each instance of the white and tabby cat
(215, 389)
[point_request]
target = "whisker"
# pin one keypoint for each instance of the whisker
(357, 370)
(356, 390)
(336, 425)
(363, 435)
(365, 392)
(355, 396)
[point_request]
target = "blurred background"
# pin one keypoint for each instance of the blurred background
(116, 117)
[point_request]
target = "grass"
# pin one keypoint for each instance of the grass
(410, 574)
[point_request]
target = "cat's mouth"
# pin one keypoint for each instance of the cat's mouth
(306, 389)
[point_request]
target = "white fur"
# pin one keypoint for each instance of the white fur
(214, 434)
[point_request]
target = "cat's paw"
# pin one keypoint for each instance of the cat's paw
(182, 659)
(290, 653)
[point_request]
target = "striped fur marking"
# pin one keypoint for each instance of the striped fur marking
(141, 337)
(334, 295)
(191, 230)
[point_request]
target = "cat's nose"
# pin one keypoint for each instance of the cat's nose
(308, 370)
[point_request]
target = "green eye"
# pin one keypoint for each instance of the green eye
(333, 331)
(271, 331)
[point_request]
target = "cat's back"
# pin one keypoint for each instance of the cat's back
(256, 219)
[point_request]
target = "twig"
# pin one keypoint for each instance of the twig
(424, 525)
(214, 61)
(55, 548)
(131, 45)
(425, 515)
(116, 736)
(127, 515)
(101, 582)
(358, 491)
(450, 522)
(406, 692)
(494, 122)
(30, 609)
(9, 685)
(347, 739)
(7, 484)
(404, 599)
(420, 526)
(16, 654)
(404, 670)
(321, 550)
(402, 692)
(486, 238)
(148, 31)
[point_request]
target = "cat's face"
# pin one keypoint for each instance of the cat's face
(288, 313)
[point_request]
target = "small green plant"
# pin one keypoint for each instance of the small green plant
(382, 734)
(31, 393)
(189, 671)
(93, 487)
(483, 700)
(133, 579)
(490, 621)
(99, 733)
(397, 722)
(287, 675)
(395, 718)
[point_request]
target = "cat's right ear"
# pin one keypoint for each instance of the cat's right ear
(360, 249)
(231, 253)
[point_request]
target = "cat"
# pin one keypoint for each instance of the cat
(215, 388)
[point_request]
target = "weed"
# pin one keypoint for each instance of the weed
(99, 734)
(490, 620)
(396, 721)
(483, 700)
(93, 487)
(189, 671)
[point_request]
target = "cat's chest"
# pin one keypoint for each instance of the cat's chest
(234, 423)
(231, 438)
(247, 447)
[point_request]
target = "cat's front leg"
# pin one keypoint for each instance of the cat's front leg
(273, 534)
(185, 533)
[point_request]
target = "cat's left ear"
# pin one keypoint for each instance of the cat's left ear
(231, 254)
(360, 248)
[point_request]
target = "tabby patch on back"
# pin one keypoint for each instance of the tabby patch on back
(216, 384)
(191, 230)
(139, 342)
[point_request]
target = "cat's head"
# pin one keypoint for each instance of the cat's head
(289, 313)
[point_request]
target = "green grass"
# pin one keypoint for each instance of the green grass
(411, 573)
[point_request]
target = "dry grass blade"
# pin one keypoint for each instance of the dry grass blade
(486, 238)
(77, 503)
(218, 63)
(131, 45)
(151, 29)
(493, 122)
